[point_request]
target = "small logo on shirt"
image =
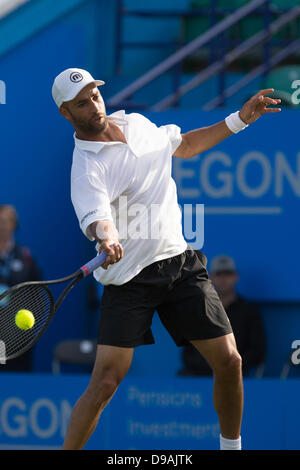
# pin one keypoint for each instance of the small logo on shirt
(87, 215)
(76, 77)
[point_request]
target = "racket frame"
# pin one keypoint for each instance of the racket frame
(74, 278)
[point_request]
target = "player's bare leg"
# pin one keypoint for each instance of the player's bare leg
(222, 355)
(111, 365)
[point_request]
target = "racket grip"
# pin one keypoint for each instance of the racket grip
(95, 263)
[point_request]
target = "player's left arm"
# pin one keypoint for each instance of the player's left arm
(199, 140)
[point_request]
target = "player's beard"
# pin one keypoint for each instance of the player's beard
(90, 127)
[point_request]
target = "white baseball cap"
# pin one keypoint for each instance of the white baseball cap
(69, 83)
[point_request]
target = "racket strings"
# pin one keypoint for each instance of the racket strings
(13, 339)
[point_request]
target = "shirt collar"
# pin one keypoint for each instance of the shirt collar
(119, 117)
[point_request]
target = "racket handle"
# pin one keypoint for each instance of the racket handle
(95, 263)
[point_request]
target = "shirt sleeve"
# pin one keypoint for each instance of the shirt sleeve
(90, 200)
(173, 133)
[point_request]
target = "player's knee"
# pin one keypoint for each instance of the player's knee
(108, 387)
(230, 365)
(101, 393)
(235, 363)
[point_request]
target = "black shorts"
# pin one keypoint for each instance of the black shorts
(179, 290)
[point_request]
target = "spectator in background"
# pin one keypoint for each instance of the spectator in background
(245, 319)
(16, 265)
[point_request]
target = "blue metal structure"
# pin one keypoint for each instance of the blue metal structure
(214, 38)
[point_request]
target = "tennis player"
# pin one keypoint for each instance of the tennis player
(121, 172)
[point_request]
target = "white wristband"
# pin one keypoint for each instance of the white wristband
(234, 123)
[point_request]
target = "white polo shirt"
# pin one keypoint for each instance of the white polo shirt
(130, 184)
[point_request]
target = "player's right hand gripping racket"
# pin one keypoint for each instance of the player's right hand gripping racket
(36, 297)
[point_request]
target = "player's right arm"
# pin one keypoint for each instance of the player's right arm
(106, 234)
(91, 201)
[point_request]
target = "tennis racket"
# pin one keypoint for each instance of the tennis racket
(36, 297)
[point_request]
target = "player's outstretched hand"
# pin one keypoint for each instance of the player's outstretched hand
(258, 105)
(113, 251)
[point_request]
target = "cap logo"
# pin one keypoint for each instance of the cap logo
(76, 77)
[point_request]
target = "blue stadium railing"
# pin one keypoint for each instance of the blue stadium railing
(216, 32)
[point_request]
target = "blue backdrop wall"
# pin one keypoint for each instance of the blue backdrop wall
(146, 413)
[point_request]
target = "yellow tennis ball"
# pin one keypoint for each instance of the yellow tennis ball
(24, 319)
